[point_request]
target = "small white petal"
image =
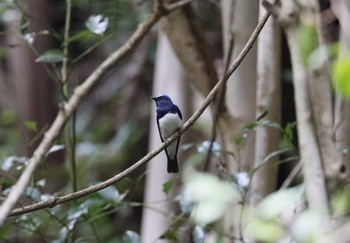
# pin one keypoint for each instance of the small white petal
(97, 24)
(242, 179)
(29, 37)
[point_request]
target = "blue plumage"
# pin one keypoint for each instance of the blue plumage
(169, 121)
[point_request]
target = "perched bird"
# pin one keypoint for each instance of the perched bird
(169, 121)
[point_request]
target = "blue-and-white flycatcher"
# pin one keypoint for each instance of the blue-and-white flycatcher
(169, 121)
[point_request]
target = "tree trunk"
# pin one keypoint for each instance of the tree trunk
(268, 100)
(241, 87)
(34, 89)
(240, 93)
(316, 192)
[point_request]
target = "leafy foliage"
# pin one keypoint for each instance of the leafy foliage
(31, 125)
(51, 56)
(167, 186)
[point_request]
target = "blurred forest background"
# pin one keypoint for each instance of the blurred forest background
(267, 161)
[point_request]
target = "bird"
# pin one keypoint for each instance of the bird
(169, 120)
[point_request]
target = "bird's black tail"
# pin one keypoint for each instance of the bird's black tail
(172, 166)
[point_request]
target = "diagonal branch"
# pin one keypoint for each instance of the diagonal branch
(68, 108)
(75, 195)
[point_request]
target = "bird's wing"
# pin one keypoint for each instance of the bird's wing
(177, 110)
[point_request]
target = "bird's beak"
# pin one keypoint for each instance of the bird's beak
(154, 98)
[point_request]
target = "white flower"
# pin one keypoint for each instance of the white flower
(29, 37)
(242, 179)
(97, 24)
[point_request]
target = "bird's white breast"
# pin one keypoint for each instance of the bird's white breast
(168, 124)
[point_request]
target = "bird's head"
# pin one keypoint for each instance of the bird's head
(163, 101)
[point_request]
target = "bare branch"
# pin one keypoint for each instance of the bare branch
(59, 200)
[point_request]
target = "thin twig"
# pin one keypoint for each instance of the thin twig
(292, 175)
(91, 48)
(68, 107)
(65, 50)
(221, 99)
(70, 130)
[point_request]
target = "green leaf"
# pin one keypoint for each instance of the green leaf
(168, 185)
(24, 24)
(265, 230)
(288, 136)
(131, 237)
(341, 76)
(269, 157)
(51, 56)
(239, 140)
(31, 125)
(82, 35)
(262, 115)
(340, 202)
(251, 126)
(170, 235)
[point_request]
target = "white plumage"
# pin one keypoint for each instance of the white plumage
(168, 125)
